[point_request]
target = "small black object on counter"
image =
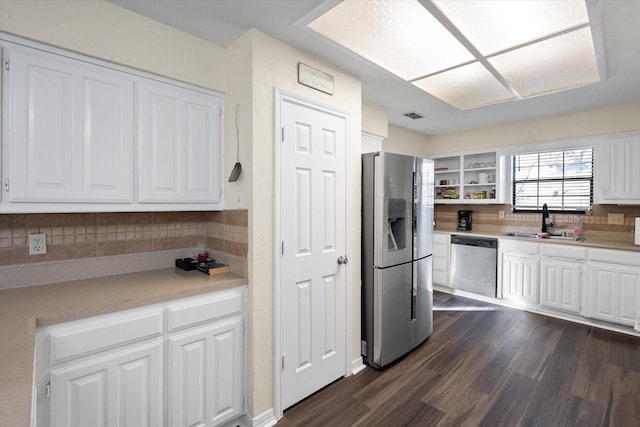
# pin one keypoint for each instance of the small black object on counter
(186, 264)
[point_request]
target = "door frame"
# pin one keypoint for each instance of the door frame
(281, 96)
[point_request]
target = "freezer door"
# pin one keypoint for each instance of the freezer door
(393, 221)
(392, 323)
(423, 208)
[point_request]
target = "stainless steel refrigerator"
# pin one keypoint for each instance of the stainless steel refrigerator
(397, 244)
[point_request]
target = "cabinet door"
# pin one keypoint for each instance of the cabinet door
(614, 293)
(117, 389)
(180, 135)
(520, 278)
(560, 285)
(441, 259)
(70, 130)
(206, 374)
(617, 173)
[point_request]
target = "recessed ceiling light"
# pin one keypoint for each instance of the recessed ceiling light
(470, 53)
(466, 87)
(396, 35)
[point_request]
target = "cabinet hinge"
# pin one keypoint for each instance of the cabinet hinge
(6, 63)
(47, 390)
(6, 185)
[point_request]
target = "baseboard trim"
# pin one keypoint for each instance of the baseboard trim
(357, 365)
(266, 419)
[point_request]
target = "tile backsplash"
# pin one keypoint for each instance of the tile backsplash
(487, 217)
(85, 235)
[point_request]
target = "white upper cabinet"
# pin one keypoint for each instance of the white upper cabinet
(180, 144)
(83, 135)
(617, 175)
(69, 130)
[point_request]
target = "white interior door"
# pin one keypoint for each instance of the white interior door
(313, 232)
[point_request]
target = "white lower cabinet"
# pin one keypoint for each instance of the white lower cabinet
(174, 364)
(205, 374)
(518, 270)
(614, 293)
(520, 278)
(117, 389)
(441, 259)
(560, 284)
(561, 277)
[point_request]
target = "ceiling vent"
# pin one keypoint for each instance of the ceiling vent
(414, 115)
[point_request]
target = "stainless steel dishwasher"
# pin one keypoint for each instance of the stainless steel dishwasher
(474, 264)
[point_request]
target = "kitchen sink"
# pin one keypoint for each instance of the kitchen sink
(559, 236)
(533, 235)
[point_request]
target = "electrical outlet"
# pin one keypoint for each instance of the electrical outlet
(500, 214)
(37, 244)
(615, 219)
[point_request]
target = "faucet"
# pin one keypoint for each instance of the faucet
(545, 217)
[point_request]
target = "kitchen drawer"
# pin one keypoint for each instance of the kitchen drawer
(518, 246)
(82, 337)
(615, 257)
(563, 251)
(441, 238)
(198, 310)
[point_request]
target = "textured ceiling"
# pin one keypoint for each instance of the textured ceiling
(223, 21)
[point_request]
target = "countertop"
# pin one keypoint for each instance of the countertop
(24, 309)
(590, 242)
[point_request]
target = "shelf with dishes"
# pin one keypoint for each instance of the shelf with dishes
(466, 178)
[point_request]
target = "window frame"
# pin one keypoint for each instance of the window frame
(563, 179)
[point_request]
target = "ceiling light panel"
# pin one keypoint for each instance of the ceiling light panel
(552, 65)
(400, 36)
(496, 25)
(466, 87)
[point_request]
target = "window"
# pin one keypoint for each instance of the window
(561, 179)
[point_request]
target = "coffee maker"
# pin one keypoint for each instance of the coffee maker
(464, 220)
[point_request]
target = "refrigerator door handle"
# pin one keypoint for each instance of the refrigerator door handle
(414, 290)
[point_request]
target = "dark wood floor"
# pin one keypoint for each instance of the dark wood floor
(487, 365)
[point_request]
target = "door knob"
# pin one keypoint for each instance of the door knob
(343, 260)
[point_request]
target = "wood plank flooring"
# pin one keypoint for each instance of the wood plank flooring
(488, 365)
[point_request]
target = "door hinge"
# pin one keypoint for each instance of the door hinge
(283, 361)
(244, 329)
(282, 248)
(6, 63)
(220, 191)
(6, 185)
(47, 389)
(282, 136)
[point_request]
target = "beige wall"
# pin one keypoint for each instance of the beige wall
(375, 120)
(247, 73)
(405, 141)
(106, 31)
(620, 118)
(274, 65)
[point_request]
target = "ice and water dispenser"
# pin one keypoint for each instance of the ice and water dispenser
(396, 223)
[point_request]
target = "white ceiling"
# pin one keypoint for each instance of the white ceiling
(223, 21)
